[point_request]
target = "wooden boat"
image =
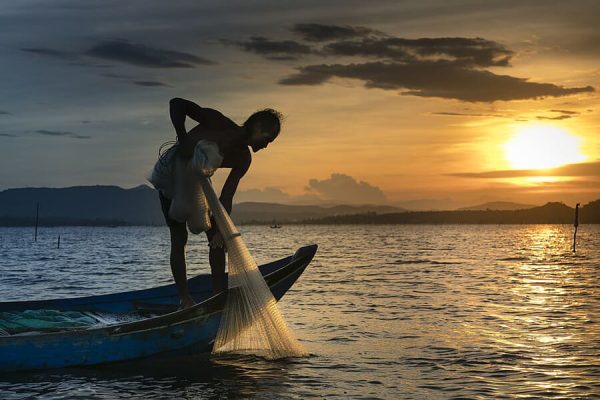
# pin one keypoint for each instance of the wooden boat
(158, 329)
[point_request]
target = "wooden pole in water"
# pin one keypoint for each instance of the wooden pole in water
(58, 244)
(37, 219)
(576, 225)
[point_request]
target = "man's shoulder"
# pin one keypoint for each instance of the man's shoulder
(217, 120)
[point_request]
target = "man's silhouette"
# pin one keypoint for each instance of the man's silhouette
(234, 143)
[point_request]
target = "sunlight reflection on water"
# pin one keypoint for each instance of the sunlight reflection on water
(387, 312)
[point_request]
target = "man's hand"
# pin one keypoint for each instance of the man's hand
(217, 241)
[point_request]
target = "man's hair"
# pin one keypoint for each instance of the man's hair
(268, 119)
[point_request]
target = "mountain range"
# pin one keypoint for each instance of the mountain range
(113, 206)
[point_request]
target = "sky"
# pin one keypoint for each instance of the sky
(420, 104)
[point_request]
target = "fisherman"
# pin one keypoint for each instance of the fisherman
(234, 143)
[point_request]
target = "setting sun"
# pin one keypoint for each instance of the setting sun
(542, 147)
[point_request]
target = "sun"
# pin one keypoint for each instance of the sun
(542, 147)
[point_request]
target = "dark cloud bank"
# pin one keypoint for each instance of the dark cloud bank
(452, 68)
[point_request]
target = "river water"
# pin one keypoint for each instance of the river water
(393, 312)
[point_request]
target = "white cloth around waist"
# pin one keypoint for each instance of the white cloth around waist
(178, 179)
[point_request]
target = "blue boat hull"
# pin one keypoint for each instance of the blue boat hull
(187, 331)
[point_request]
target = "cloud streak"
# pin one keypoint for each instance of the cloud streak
(61, 133)
(145, 56)
(574, 170)
(274, 49)
(324, 33)
(59, 54)
(562, 114)
(456, 114)
(150, 84)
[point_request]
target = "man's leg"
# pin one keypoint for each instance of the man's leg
(179, 236)
(216, 258)
(217, 268)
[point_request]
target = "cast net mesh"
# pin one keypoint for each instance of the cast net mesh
(251, 322)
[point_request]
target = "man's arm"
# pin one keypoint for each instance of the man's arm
(180, 109)
(233, 180)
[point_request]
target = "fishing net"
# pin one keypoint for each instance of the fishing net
(251, 322)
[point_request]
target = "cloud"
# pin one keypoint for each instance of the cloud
(444, 67)
(115, 76)
(464, 51)
(563, 114)
(266, 195)
(432, 79)
(461, 51)
(345, 189)
(150, 83)
(63, 55)
(576, 184)
(273, 49)
(323, 33)
(574, 170)
(145, 56)
(7, 135)
(2, 112)
(558, 117)
(61, 133)
(454, 114)
(567, 112)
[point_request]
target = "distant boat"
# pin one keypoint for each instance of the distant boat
(275, 226)
(155, 328)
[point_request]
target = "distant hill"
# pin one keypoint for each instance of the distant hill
(81, 205)
(112, 205)
(251, 212)
(590, 212)
(497, 205)
(551, 213)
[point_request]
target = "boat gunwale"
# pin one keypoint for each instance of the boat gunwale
(108, 298)
(205, 309)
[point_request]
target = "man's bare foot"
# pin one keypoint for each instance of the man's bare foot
(186, 302)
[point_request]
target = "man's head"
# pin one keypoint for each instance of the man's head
(262, 128)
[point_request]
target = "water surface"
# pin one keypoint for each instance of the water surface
(394, 312)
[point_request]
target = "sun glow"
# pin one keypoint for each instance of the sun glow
(542, 147)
